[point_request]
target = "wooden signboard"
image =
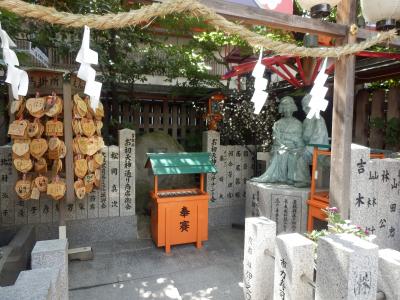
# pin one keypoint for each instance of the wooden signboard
(46, 82)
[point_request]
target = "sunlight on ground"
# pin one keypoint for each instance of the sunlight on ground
(162, 288)
(202, 294)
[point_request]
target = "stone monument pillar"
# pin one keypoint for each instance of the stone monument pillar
(294, 260)
(374, 196)
(347, 268)
(127, 142)
(7, 180)
(211, 144)
(258, 262)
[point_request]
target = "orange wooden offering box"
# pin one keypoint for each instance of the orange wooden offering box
(179, 216)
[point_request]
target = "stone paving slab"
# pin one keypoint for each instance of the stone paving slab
(139, 270)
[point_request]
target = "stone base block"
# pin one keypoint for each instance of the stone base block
(226, 216)
(389, 273)
(16, 255)
(284, 204)
(33, 284)
(53, 254)
(84, 232)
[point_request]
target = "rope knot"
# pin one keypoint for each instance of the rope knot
(353, 29)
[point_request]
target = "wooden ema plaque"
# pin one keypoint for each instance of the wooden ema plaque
(21, 148)
(35, 193)
(38, 148)
(36, 106)
(18, 128)
(41, 183)
(88, 127)
(54, 128)
(23, 165)
(56, 190)
(23, 189)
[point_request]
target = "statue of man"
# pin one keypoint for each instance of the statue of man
(287, 164)
(314, 130)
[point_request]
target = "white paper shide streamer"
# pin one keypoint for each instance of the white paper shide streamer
(260, 84)
(318, 102)
(268, 4)
(87, 57)
(17, 78)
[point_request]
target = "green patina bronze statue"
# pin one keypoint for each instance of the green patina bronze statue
(291, 158)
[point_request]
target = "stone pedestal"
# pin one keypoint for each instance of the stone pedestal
(347, 268)
(294, 258)
(258, 261)
(53, 254)
(48, 278)
(286, 205)
(84, 232)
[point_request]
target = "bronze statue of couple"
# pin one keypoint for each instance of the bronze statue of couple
(290, 155)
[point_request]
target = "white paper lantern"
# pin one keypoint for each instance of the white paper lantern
(383, 12)
(318, 8)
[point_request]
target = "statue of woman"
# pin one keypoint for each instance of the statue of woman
(314, 130)
(287, 164)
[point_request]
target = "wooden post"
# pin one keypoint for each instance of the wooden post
(165, 115)
(10, 101)
(377, 135)
(83, 253)
(361, 121)
(155, 185)
(202, 182)
(167, 241)
(183, 126)
(314, 172)
(145, 115)
(342, 121)
(174, 124)
(393, 111)
(6, 118)
(69, 169)
(198, 225)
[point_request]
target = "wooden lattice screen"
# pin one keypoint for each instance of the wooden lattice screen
(178, 119)
(377, 118)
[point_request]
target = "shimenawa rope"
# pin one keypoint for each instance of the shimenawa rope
(147, 14)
